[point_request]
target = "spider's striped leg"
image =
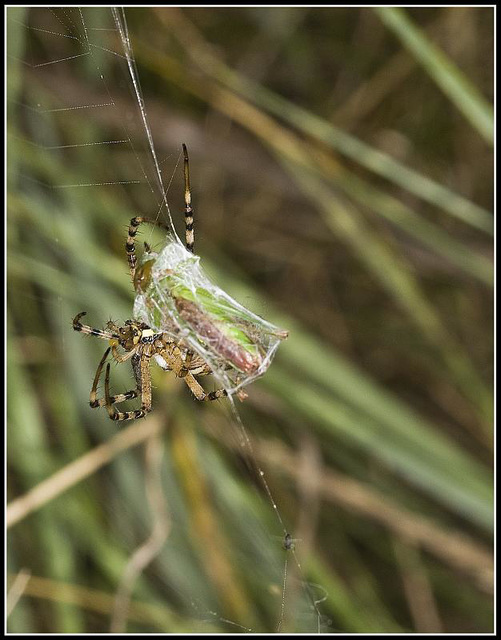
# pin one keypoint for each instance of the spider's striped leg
(178, 365)
(121, 397)
(145, 395)
(182, 365)
(186, 364)
(198, 391)
(121, 358)
(172, 355)
(130, 246)
(99, 333)
(188, 209)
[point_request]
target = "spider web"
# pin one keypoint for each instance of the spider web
(66, 43)
(93, 47)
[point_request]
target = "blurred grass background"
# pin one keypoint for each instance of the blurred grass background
(342, 175)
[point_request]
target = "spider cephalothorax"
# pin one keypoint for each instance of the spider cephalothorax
(137, 342)
(131, 334)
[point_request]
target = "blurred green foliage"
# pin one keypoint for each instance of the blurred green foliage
(342, 174)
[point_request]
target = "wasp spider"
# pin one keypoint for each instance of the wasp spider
(139, 343)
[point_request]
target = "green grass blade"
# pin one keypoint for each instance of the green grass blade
(304, 120)
(451, 80)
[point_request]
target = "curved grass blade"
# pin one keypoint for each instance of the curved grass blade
(451, 80)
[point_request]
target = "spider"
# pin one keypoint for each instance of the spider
(140, 343)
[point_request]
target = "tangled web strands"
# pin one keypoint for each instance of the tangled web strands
(181, 301)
